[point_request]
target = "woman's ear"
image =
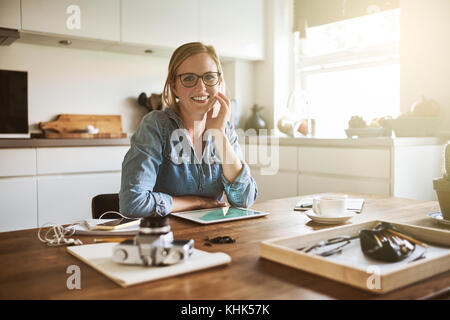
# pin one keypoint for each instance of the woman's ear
(174, 90)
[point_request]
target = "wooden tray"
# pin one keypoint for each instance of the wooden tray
(353, 268)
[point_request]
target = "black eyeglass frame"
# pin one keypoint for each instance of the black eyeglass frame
(199, 77)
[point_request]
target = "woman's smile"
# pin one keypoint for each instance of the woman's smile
(201, 99)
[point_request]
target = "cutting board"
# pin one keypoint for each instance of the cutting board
(70, 126)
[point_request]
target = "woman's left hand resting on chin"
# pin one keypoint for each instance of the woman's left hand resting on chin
(231, 165)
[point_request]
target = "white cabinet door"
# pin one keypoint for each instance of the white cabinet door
(234, 27)
(80, 159)
(96, 19)
(10, 14)
(357, 162)
(310, 184)
(160, 22)
(67, 198)
(18, 203)
(270, 157)
(280, 185)
(17, 162)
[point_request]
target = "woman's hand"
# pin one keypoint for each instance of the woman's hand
(220, 121)
(185, 203)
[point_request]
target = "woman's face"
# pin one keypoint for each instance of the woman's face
(199, 99)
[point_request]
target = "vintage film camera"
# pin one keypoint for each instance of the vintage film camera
(153, 246)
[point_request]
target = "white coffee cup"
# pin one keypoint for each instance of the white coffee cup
(330, 206)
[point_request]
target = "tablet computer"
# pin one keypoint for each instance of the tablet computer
(222, 214)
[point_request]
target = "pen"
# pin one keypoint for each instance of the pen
(403, 236)
(110, 240)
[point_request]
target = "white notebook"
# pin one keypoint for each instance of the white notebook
(88, 228)
(99, 257)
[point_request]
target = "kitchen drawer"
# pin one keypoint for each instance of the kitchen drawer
(275, 157)
(310, 184)
(17, 162)
(360, 162)
(80, 159)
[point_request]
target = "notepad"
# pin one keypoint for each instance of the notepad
(99, 257)
(89, 228)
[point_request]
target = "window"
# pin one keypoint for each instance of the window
(348, 68)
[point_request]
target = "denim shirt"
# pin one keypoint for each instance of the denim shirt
(161, 163)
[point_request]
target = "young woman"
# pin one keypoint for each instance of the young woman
(186, 156)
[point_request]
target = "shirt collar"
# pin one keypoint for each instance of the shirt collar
(173, 115)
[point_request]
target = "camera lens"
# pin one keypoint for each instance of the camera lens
(154, 222)
(154, 225)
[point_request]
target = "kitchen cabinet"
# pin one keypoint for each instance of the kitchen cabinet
(234, 27)
(400, 167)
(67, 198)
(94, 19)
(159, 22)
(18, 194)
(358, 162)
(55, 184)
(18, 203)
(80, 159)
(10, 14)
(274, 169)
(281, 185)
(310, 184)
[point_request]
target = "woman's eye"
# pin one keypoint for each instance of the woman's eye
(210, 76)
(189, 78)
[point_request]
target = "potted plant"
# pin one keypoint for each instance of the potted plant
(442, 185)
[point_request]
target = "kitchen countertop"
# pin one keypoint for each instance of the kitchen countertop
(283, 141)
(347, 142)
(33, 143)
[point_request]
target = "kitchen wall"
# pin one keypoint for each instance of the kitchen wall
(66, 80)
(274, 77)
(425, 54)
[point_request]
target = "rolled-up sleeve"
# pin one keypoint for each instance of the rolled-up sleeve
(139, 172)
(242, 192)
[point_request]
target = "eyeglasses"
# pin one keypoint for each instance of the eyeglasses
(190, 80)
(345, 240)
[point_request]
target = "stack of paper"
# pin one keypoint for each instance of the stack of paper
(99, 257)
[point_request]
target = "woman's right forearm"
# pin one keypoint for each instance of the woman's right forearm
(186, 203)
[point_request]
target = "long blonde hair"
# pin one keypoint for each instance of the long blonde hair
(179, 55)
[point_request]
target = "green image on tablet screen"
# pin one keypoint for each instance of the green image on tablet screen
(232, 213)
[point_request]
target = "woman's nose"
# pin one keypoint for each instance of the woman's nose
(200, 83)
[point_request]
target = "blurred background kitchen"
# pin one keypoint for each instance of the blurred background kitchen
(356, 91)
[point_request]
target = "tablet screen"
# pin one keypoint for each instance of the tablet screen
(206, 216)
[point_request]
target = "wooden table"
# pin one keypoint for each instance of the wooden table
(31, 270)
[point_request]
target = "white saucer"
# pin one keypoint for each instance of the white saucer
(348, 214)
(439, 218)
